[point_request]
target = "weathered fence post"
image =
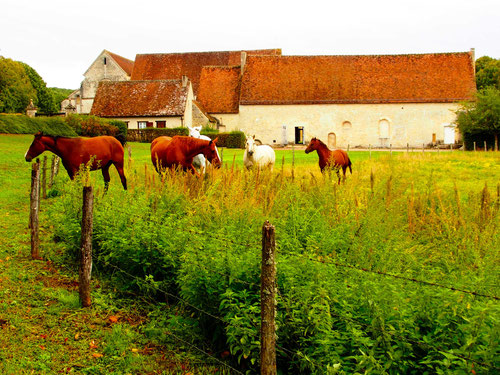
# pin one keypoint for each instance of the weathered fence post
(54, 169)
(293, 161)
(485, 146)
(474, 146)
(370, 147)
(44, 177)
(35, 208)
(85, 269)
(268, 302)
(390, 149)
(407, 148)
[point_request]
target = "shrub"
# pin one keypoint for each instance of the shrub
(92, 126)
(22, 124)
(148, 134)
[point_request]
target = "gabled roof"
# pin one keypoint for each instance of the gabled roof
(442, 77)
(140, 98)
(219, 90)
(126, 64)
(175, 65)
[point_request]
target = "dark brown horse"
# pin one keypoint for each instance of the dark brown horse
(330, 159)
(101, 152)
(179, 151)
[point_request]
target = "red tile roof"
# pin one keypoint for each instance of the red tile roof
(219, 90)
(140, 98)
(126, 64)
(444, 77)
(175, 65)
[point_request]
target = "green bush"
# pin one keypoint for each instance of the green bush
(147, 135)
(234, 139)
(22, 124)
(92, 126)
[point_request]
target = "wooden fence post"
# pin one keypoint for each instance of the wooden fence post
(55, 169)
(85, 269)
(268, 302)
(474, 146)
(44, 177)
(35, 208)
(485, 146)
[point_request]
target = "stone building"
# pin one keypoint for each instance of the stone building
(355, 100)
(106, 67)
(147, 104)
(377, 100)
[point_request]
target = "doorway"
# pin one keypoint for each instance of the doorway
(299, 135)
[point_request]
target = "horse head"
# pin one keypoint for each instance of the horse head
(212, 154)
(37, 147)
(195, 131)
(313, 145)
(250, 145)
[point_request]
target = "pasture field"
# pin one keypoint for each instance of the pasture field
(396, 271)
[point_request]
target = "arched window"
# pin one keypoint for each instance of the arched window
(384, 129)
(332, 140)
(346, 126)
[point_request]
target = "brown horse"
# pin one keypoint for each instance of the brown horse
(330, 159)
(179, 151)
(101, 152)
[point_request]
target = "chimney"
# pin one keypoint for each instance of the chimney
(185, 81)
(473, 56)
(243, 61)
(31, 109)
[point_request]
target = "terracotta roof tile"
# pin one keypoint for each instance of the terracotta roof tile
(445, 77)
(175, 65)
(219, 90)
(140, 98)
(126, 64)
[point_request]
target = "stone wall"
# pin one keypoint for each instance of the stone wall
(356, 125)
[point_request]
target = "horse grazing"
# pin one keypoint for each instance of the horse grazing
(179, 151)
(199, 160)
(330, 159)
(260, 156)
(98, 152)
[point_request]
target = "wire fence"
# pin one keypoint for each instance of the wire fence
(252, 285)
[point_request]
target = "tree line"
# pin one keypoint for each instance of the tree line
(19, 83)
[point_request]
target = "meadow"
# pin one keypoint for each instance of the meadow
(395, 271)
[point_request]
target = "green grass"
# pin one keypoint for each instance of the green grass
(422, 215)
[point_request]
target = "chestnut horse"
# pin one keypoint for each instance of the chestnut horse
(100, 151)
(179, 151)
(330, 159)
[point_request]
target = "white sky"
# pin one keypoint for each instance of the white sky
(60, 39)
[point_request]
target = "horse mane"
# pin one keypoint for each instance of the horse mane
(321, 142)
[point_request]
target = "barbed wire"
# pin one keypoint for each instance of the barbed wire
(410, 279)
(400, 337)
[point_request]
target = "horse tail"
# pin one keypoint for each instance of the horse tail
(349, 164)
(121, 138)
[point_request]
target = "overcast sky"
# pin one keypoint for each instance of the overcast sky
(60, 39)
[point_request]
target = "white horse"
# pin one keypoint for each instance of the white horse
(260, 156)
(199, 160)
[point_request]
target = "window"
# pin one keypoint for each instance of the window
(161, 124)
(141, 124)
(346, 126)
(105, 61)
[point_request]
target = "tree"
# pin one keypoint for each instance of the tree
(487, 73)
(44, 98)
(481, 116)
(15, 87)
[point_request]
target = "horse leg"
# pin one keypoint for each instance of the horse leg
(119, 167)
(344, 169)
(337, 170)
(105, 174)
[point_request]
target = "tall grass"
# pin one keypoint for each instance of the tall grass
(195, 241)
